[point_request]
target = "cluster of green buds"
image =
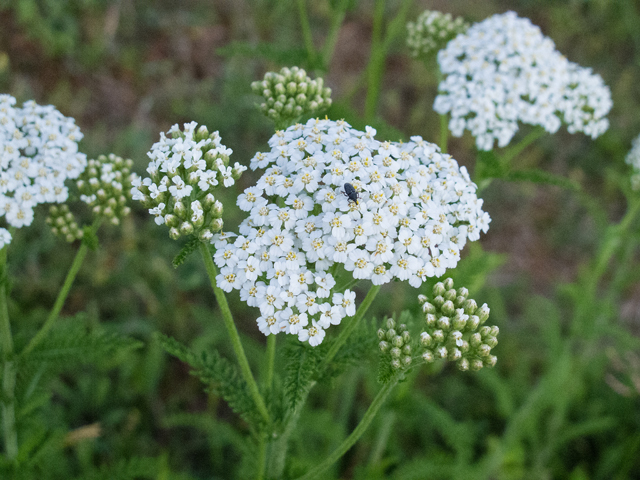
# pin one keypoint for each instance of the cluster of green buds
(290, 94)
(395, 341)
(431, 31)
(105, 186)
(456, 330)
(185, 168)
(63, 223)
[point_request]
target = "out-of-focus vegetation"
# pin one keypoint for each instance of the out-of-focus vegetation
(561, 402)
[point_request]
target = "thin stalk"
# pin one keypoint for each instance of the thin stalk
(278, 450)
(306, 29)
(245, 370)
(346, 332)
(376, 62)
(9, 430)
(271, 359)
(611, 243)
(262, 457)
(444, 133)
(514, 151)
(332, 36)
(62, 294)
(355, 435)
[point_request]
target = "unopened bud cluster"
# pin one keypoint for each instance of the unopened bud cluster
(455, 328)
(290, 94)
(105, 186)
(184, 170)
(431, 31)
(63, 223)
(395, 341)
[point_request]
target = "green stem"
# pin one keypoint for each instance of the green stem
(306, 29)
(271, 359)
(376, 62)
(346, 332)
(62, 294)
(279, 445)
(355, 435)
(262, 457)
(332, 36)
(444, 133)
(514, 151)
(233, 333)
(611, 243)
(9, 430)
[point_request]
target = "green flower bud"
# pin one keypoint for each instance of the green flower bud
(429, 308)
(473, 323)
(438, 336)
(396, 364)
(438, 302)
(391, 323)
(425, 339)
(395, 352)
(450, 295)
(483, 313)
(216, 224)
(428, 357)
(476, 365)
(406, 361)
(454, 355)
(490, 361)
(442, 352)
(443, 323)
(470, 307)
(422, 299)
(381, 333)
(406, 336)
(384, 346)
(431, 320)
(406, 349)
(448, 283)
(438, 289)
(174, 233)
(475, 340)
(448, 308)
(397, 341)
(391, 334)
(463, 364)
(186, 228)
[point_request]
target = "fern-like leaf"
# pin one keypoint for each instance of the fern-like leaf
(219, 376)
(188, 248)
(302, 362)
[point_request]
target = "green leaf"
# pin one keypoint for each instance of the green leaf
(302, 362)
(219, 376)
(188, 248)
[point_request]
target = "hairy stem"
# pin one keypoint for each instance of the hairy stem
(9, 430)
(355, 435)
(245, 370)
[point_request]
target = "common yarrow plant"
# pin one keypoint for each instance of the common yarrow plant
(502, 71)
(415, 211)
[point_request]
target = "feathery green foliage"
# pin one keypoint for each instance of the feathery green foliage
(219, 376)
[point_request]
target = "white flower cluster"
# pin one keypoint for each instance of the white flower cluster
(431, 31)
(502, 71)
(39, 152)
(633, 159)
(184, 170)
(415, 211)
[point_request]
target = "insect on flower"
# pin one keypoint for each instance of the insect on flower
(350, 192)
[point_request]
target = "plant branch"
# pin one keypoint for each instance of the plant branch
(355, 435)
(233, 333)
(9, 430)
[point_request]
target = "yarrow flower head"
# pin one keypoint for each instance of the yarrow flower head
(455, 328)
(503, 71)
(633, 159)
(415, 210)
(39, 152)
(431, 31)
(290, 94)
(185, 169)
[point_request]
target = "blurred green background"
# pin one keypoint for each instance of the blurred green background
(127, 70)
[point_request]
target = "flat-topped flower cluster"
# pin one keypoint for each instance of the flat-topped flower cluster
(39, 152)
(183, 172)
(503, 70)
(416, 210)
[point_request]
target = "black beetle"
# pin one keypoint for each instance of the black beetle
(350, 192)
